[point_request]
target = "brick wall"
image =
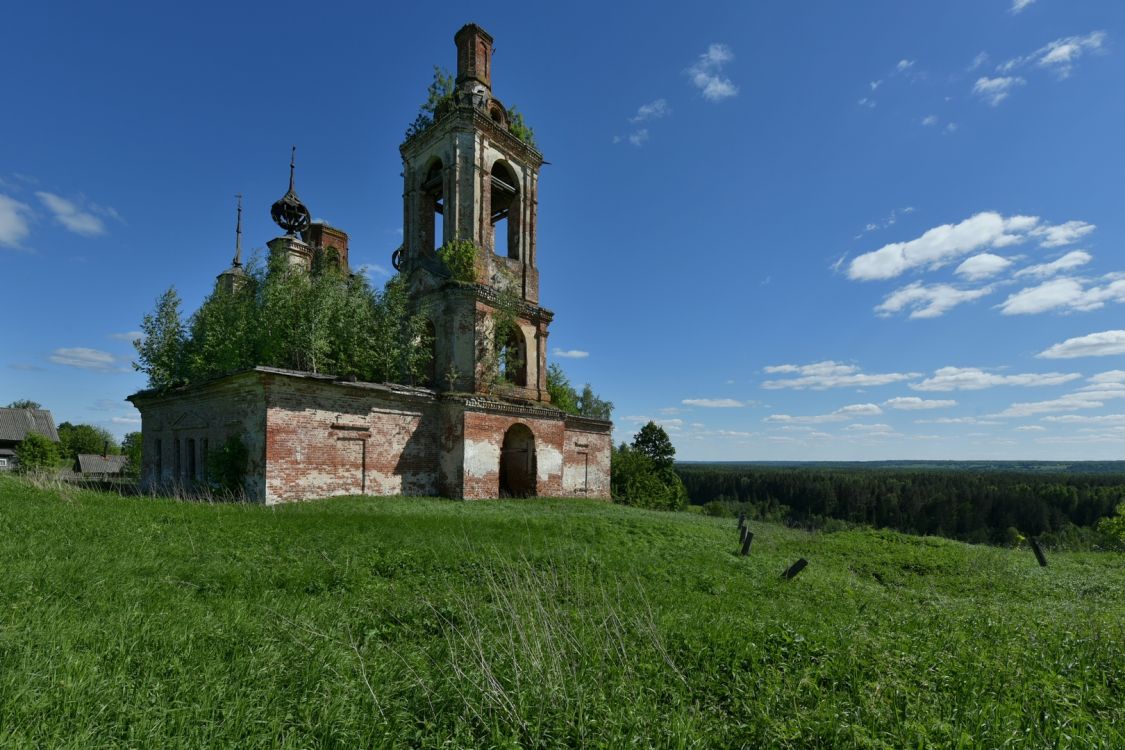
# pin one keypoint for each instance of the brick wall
(327, 438)
(311, 436)
(179, 429)
(586, 458)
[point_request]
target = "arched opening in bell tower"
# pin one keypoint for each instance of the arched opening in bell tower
(433, 206)
(505, 204)
(517, 462)
(511, 351)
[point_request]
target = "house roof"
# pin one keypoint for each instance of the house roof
(93, 463)
(16, 423)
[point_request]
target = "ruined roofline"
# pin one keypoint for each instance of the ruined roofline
(485, 293)
(500, 405)
(480, 121)
(392, 388)
(588, 424)
(497, 404)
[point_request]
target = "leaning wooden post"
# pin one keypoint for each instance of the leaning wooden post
(1038, 552)
(742, 532)
(747, 540)
(794, 569)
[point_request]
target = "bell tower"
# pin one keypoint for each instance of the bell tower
(470, 176)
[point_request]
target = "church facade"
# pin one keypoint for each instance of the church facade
(484, 426)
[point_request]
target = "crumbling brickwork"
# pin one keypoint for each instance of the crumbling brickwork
(311, 436)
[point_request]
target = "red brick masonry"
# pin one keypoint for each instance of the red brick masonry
(311, 436)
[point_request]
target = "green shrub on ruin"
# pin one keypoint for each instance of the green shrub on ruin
(460, 257)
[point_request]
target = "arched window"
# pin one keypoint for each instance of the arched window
(511, 352)
(517, 462)
(433, 206)
(505, 203)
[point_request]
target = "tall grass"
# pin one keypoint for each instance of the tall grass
(409, 622)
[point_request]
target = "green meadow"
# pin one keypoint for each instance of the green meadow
(411, 622)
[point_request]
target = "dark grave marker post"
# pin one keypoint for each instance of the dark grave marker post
(1038, 552)
(747, 540)
(794, 569)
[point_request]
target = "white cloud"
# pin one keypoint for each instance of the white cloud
(928, 301)
(930, 120)
(842, 414)
(982, 266)
(1110, 376)
(979, 60)
(1102, 344)
(943, 244)
(129, 336)
(1062, 234)
(1060, 55)
(996, 90)
(126, 420)
(654, 110)
(638, 137)
(713, 403)
(370, 270)
(1019, 5)
(1068, 293)
(957, 420)
(1073, 259)
(865, 102)
(71, 216)
(904, 65)
(672, 425)
(975, 379)
(1070, 402)
(875, 84)
(878, 429)
(14, 221)
(828, 374)
(705, 73)
(1111, 419)
(86, 359)
(940, 245)
(1031, 428)
(569, 353)
(913, 403)
(950, 128)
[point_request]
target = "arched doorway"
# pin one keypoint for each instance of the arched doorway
(517, 462)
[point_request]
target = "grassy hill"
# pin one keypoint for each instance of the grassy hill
(546, 623)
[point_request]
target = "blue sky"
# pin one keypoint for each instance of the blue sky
(812, 230)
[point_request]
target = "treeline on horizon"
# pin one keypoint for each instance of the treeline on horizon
(993, 506)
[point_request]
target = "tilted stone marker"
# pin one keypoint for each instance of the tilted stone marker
(1038, 552)
(794, 569)
(747, 540)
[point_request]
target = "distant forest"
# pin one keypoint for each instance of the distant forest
(977, 502)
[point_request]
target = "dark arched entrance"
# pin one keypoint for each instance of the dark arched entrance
(517, 462)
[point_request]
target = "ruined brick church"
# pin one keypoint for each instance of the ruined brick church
(466, 177)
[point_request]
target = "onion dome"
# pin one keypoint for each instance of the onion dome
(289, 213)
